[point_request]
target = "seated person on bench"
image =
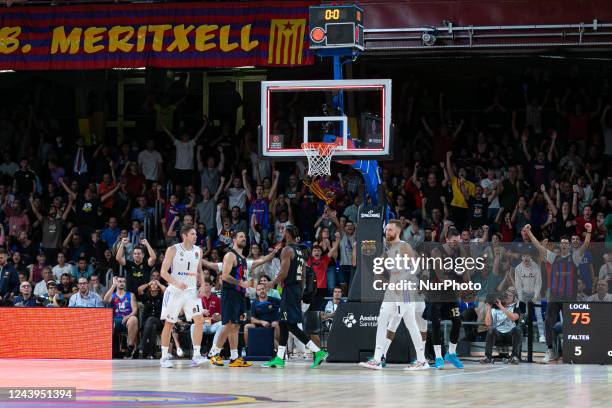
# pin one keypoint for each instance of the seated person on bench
(501, 319)
(264, 313)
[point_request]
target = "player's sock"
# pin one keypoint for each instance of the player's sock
(214, 351)
(438, 350)
(312, 347)
(280, 353)
(386, 343)
(164, 352)
(452, 348)
(378, 352)
(233, 354)
(196, 351)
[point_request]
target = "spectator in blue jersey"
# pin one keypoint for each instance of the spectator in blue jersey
(125, 311)
(264, 313)
(260, 204)
(85, 297)
(563, 280)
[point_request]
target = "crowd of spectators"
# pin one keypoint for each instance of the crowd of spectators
(76, 212)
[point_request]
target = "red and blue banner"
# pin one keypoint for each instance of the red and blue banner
(165, 35)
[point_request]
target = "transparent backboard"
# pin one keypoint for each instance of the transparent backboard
(355, 114)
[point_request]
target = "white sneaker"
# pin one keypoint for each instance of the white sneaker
(198, 360)
(166, 363)
(542, 339)
(548, 357)
(180, 352)
(417, 365)
(371, 364)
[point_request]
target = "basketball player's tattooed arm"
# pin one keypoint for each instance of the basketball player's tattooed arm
(168, 258)
(285, 258)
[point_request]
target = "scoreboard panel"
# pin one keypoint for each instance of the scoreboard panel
(587, 333)
(336, 27)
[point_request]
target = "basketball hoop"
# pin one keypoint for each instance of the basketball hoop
(319, 157)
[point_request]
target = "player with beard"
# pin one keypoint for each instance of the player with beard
(292, 276)
(443, 303)
(398, 304)
(182, 293)
(233, 303)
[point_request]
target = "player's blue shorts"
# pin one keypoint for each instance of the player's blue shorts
(232, 306)
(291, 304)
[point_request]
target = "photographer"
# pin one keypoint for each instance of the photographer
(500, 318)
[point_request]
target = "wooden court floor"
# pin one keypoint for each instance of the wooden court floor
(141, 383)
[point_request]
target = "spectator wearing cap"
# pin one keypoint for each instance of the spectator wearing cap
(53, 297)
(85, 297)
(25, 297)
(41, 287)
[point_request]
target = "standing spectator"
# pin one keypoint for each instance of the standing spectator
(586, 271)
(125, 311)
(150, 162)
(18, 220)
(87, 207)
(210, 176)
(85, 297)
(9, 280)
(111, 233)
(562, 280)
(52, 227)
(8, 168)
(236, 193)
(134, 179)
(462, 191)
(137, 272)
(490, 185)
(142, 211)
(24, 180)
(345, 253)
(151, 294)
(352, 210)
(510, 189)
(183, 165)
(206, 209)
(27, 249)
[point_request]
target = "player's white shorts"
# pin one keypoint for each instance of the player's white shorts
(176, 299)
(407, 310)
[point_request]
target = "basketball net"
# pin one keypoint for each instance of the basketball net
(319, 164)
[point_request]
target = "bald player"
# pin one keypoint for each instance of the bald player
(398, 304)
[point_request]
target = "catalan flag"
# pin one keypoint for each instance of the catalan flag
(286, 41)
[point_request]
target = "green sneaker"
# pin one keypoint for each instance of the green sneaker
(319, 357)
(276, 362)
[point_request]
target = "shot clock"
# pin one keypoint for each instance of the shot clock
(587, 333)
(336, 27)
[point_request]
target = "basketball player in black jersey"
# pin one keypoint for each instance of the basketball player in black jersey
(443, 304)
(292, 276)
(233, 304)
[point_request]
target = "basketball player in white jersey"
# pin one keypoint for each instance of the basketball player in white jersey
(182, 293)
(398, 304)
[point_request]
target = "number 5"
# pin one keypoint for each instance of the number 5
(578, 351)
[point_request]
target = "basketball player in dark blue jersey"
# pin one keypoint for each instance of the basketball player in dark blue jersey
(233, 303)
(292, 275)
